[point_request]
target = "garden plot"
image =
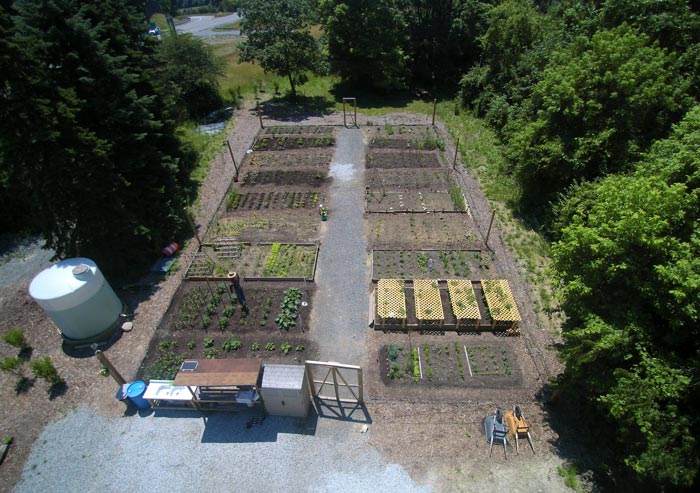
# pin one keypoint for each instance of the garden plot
(448, 362)
(418, 230)
(297, 226)
(379, 201)
(434, 264)
(257, 200)
(400, 132)
(297, 129)
(426, 180)
(281, 143)
(205, 321)
(262, 261)
(402, 159)
(305, 177)
(306, 158)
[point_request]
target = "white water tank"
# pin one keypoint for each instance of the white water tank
(77, 297)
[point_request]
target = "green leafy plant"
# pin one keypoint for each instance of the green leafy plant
(230, 344)
(299, 348)
(255, 346)
(15, 337)
(165, 367)
(206, 322)
(191, 344)
(208, 342)
(12, 365)
(270, 346)
(286, 318)
(228, 311)
(44, 368)
(223, 322)
(416, 365)
(285, 347)
(210, 353)
(395, 371)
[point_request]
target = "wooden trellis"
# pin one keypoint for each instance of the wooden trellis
(391, 302)
(464, 304)
(228, 248)
(501, 304)
(201, 267)
(428, 303)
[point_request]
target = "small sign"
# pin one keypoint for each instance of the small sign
(188, 366)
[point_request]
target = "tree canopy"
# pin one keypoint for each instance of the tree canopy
(87, 133)
(279, 38)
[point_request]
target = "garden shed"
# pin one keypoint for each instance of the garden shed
(285, 390)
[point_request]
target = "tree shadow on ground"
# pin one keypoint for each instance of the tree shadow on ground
(288, 109)
(587, 442)
(376, 99)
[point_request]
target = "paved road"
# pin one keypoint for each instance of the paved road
(203, 25)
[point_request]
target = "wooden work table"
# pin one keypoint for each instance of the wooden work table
(222, 373)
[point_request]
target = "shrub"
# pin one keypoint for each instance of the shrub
(12, 365)
(43, 368)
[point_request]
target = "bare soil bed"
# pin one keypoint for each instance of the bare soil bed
(419, 230)
(427, 180)
(297, 129)
(306, 158)
(449, 362)
(431, 264)
(402, 159)
(281, 143)
(379, 201)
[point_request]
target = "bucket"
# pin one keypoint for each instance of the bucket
(324, 217)
(170, 249)
(135, 392)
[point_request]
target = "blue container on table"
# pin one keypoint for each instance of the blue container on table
(135, 392)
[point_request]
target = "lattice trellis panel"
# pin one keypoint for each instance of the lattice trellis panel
(500, 301)
(463, 299)
(428, 303)
(228, 247)
(200, 267)
(391, 298)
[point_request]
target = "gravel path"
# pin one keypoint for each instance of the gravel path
(340, 310)
(182, 454)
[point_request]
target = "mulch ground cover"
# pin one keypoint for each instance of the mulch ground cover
(289, 226)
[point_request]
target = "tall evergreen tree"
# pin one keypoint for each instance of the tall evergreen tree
(87, 135)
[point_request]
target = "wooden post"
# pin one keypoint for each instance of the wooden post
(493, 216)
(345, 122)
(112, 370)
(194, 228)
(257, 108)
(354, 105)
(454, 161)
(360, 392)
(434, 108)
(235, 166)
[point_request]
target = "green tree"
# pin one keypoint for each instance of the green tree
(367, 42)
(278, 37)
(87, 132)
(598, 106)
(627, 254)
(191, 66)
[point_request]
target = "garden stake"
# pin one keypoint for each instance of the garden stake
(112, 370)
(235, 178)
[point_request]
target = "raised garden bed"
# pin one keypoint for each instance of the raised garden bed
(424, 179)
(438, 264)
(297, 129)
(298, 226)
(501, 305)
(448, 362)
(414, 231)
(281, 143)
(304, 158)
(429, 310)
(390, 202)
(391, 303)
(309, 178)
(253, 262)
(402, 159)
(237, 200)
